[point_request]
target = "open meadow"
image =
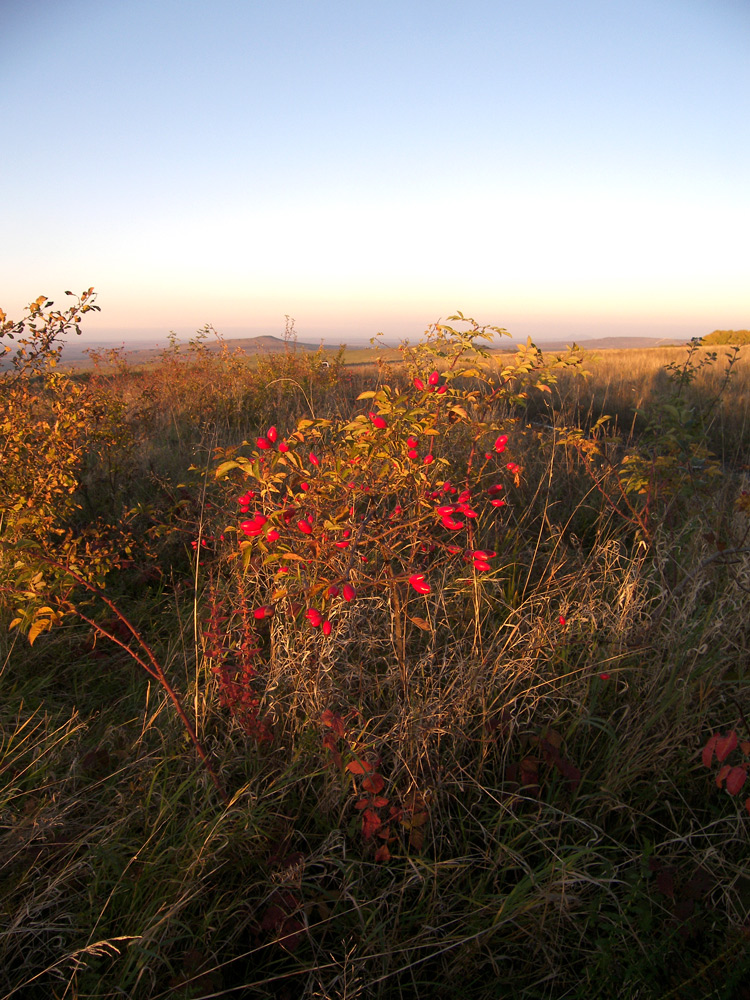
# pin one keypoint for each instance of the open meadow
(341, 677)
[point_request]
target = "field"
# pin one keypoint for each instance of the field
(424, 677)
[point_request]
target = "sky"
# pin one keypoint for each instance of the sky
(561, 168)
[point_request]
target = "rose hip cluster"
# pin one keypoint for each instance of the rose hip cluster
(433, 384)
(455, 511)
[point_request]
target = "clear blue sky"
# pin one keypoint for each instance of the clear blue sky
(558, 167)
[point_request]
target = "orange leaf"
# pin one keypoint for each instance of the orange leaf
(359, 767)
(420, 623)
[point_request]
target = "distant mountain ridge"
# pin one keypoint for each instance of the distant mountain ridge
(269, 343)
(76, 350)
(139, 353)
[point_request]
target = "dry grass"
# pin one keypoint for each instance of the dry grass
(618, 872)
(624, 382)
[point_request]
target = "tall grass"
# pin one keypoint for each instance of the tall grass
(540, 729)
(625, 383)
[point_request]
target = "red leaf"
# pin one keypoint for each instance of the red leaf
(329, 742)
(722, 775)
(708, 751)
(569, 771)
(725, 745)
(382, 853)
(374, 783)
(334, 721)
(273, 918)
(665, 882)
(529, 771)
(379, 802)
(291, 934)
(370, 823)
(735, 780)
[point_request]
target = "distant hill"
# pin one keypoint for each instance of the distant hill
(75, 352)
(606, 343)
(267, 344)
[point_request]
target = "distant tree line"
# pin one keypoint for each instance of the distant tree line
(728, 337)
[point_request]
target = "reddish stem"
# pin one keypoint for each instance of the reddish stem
(155, 670)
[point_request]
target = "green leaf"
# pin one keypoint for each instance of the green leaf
(224, 468)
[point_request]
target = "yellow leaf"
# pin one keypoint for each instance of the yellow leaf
(224, 468)
(40, 625)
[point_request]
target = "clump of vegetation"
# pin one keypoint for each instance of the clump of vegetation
(396, 682)
(738, 337)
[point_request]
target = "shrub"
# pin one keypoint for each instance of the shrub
(49, 422)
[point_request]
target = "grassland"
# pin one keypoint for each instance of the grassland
(538, 728)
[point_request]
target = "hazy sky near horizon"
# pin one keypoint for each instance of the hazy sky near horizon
(559, 167)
